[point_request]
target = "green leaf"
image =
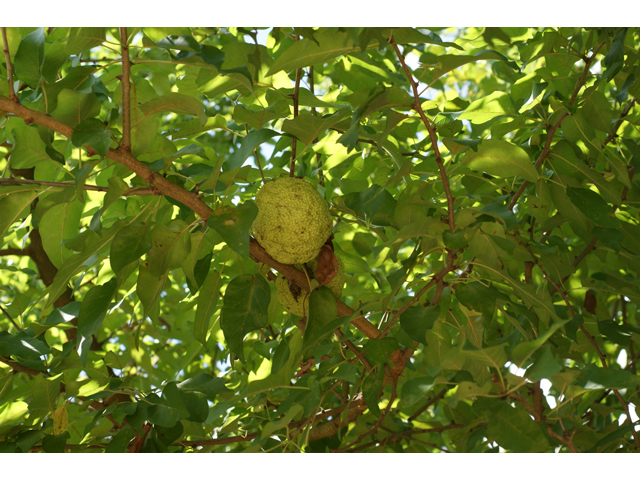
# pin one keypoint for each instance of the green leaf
(77, 262)
(593, 206)
(597, 111)
(61, 222)
(258, 118)
(488, 108)
(306, 127)
(120, 441)
(234, 224)
(280, 356)
(524, 350)
(544, 367)
(244, 309)
(501, 159)
(379, 350)
(596, 378)
(206, 306)
(92, 132)
(55, 443)
(614, 59)
(129, 244)
(417, 320)
(45, 393)
(477, 297)
(170, 409)
(248, 144)
(29, 148)
(414, 390)
(63, 314)
(22, 345)
(322, 311)
(12, 206)
(30, 58)
(330, 44)
(74, 107)
(149, 287)
(197, 406)
(170, 246)
(494, 357)
(204, 383)
(176, 103)
(158, 33)
(92, 312)
(516, 431)
(84, 38)
(371, 388)
(446, 63)
(197, 263)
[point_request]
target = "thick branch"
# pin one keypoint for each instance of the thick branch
(163, 185)
(432, 135)
(126, 92)
(7, 57)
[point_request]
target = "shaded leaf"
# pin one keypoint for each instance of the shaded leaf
(244, 309)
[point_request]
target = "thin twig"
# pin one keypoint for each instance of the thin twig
(432, 135)
(7, 57)
(93, 188)
(624, 404)
(255, 153)
(294, 143)
(375, 427)
(552, 130)
(430, 402)
(624, 113)
(10, 318)
(437, 279)
(216, 441)
(126, 91)
(314, 113)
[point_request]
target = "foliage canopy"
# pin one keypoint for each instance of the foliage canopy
(484, 203)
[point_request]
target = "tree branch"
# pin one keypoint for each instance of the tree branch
(17, 367)
(376, 425)
(163, 185)
(14, 251)
(93, 188)
(430, 402)
(551, 132)
(299, 278)
(294, 143)
(437, 279)
(7, 57)
(126, 92)
(432, 135)
(10, 318)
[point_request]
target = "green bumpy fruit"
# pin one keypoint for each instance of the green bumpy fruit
(300, 305)
(293, 220)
